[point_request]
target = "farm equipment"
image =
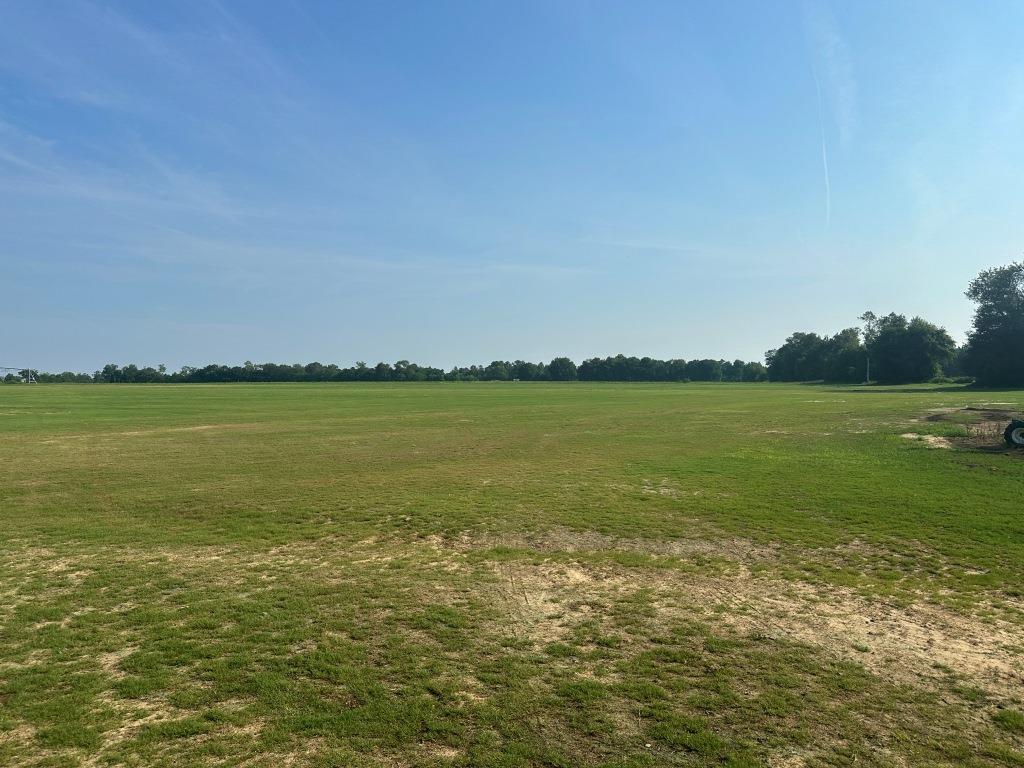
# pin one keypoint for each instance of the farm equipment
(1014, 433)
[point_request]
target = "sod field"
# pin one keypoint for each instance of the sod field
(510, 574)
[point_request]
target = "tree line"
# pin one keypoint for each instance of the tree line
(894, 350)
(618, 368)
(888, 349)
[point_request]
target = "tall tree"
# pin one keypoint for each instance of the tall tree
(562, 369)
(801, 358)
(870, 331)
(995, 346)
(911, 351)
(843, 357)
(497, 371)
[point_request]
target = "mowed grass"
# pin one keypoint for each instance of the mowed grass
(506, 575)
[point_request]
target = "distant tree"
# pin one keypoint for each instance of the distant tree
(843, 357)
(617, 368)
(148, 375)
(497, 371)
(732, 371)
(956, 366)
(801, 358)
(898, 350)
(704, 370)
(911, 351)
(754, 372)
(400, 371)
(995, 345)
(870, 331)
(593, 369)
(562, 369)
(675, 370)
(525, 371)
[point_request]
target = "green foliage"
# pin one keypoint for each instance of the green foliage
(809, 357)
(903, 352)
(844, 357)
(562, 369)
(895, 350)
(1010, 720)
(618, 368)
(995, 347)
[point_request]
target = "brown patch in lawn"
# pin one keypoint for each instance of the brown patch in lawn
(538, 597)
(32, 560)
(551, 591)
(787, 760)
(984, 427)
(443, 752)
(196, 428)
(146, 432)
(932, 441)
(110, 662)
(917, 644)
(135, 714)
(560, 539)
(35, 658)
(908, 643)
(22, 734)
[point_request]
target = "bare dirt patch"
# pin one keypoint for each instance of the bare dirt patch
(542, 600)
(96, 436)
(110, 663)
(913, 643)
(984, 426)
(918, 644)
(141, 715)
(932, 441)
(545, 597)
(560, 539)
(20, 739)
(982, 429)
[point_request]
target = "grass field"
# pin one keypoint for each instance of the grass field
(509, 575)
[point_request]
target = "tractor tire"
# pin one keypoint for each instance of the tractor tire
(1014, 434)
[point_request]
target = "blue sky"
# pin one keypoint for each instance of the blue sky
(448, 182)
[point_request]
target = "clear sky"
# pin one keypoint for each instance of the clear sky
(454, 182)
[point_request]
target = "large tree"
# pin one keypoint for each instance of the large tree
(801, 358)
(995, 346)
(844, 357)
(562, 369)
(905, 351)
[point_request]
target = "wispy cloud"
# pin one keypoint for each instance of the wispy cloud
(824, 153)
(836, 85)
(831, 56)
(143, 184)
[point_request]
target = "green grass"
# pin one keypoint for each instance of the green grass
(506, 575)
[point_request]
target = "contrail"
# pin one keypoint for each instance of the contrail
(824, 152)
